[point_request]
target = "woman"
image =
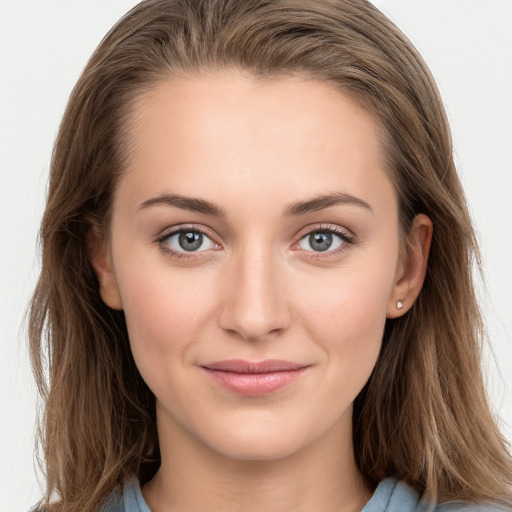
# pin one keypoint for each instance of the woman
(256, 287)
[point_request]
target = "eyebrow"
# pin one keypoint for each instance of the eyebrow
(299, 208)
(185, 203)
(325, 201)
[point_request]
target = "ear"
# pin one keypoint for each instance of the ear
(412, 269)
(100, 257)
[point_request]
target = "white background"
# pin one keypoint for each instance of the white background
(45, 44)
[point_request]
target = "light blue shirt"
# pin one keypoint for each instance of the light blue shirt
(390, 496)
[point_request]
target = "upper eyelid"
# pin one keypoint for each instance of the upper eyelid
(168, 232)
(337, 230)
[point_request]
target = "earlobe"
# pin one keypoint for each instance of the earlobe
(411, 272)
(100, 258)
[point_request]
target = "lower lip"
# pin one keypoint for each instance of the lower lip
(255, 384)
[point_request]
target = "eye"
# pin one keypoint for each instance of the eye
(187, 240)
(324, 240)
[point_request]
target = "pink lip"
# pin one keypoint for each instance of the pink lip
(254, 378)
(241, 366)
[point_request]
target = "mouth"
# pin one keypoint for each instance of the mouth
(254, 378)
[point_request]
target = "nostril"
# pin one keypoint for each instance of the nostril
(252, 305)
(253, 334)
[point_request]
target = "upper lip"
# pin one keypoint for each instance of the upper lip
(266, 366)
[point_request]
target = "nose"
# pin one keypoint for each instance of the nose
(254, 304)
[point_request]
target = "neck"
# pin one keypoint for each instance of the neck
(321, 476)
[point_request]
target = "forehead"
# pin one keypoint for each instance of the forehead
(236, 135)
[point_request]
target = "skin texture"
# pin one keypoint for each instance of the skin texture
(256, 289)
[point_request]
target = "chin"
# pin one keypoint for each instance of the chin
(258, 443)
(260, 451)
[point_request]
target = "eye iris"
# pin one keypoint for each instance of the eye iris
(320, 241)
(190, 241)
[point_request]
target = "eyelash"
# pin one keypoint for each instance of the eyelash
(347, 239)
(183, 229)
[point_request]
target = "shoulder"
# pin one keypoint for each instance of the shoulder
(127, 499)
(394, 496)
(390, 496)
(468, 507)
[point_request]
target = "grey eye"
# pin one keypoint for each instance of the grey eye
(189, 241)
(320, 241)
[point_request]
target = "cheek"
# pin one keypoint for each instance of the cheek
(346, 317)
(165, 310)
(352, 301)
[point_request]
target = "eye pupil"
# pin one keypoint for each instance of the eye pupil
(190, 240)
(320, 241)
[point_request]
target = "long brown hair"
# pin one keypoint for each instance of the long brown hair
(423, 417)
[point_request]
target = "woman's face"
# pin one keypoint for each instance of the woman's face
(254, 224)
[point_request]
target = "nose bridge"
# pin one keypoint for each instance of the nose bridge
(254, 304)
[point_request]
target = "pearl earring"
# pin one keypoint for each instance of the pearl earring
(399, 304)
